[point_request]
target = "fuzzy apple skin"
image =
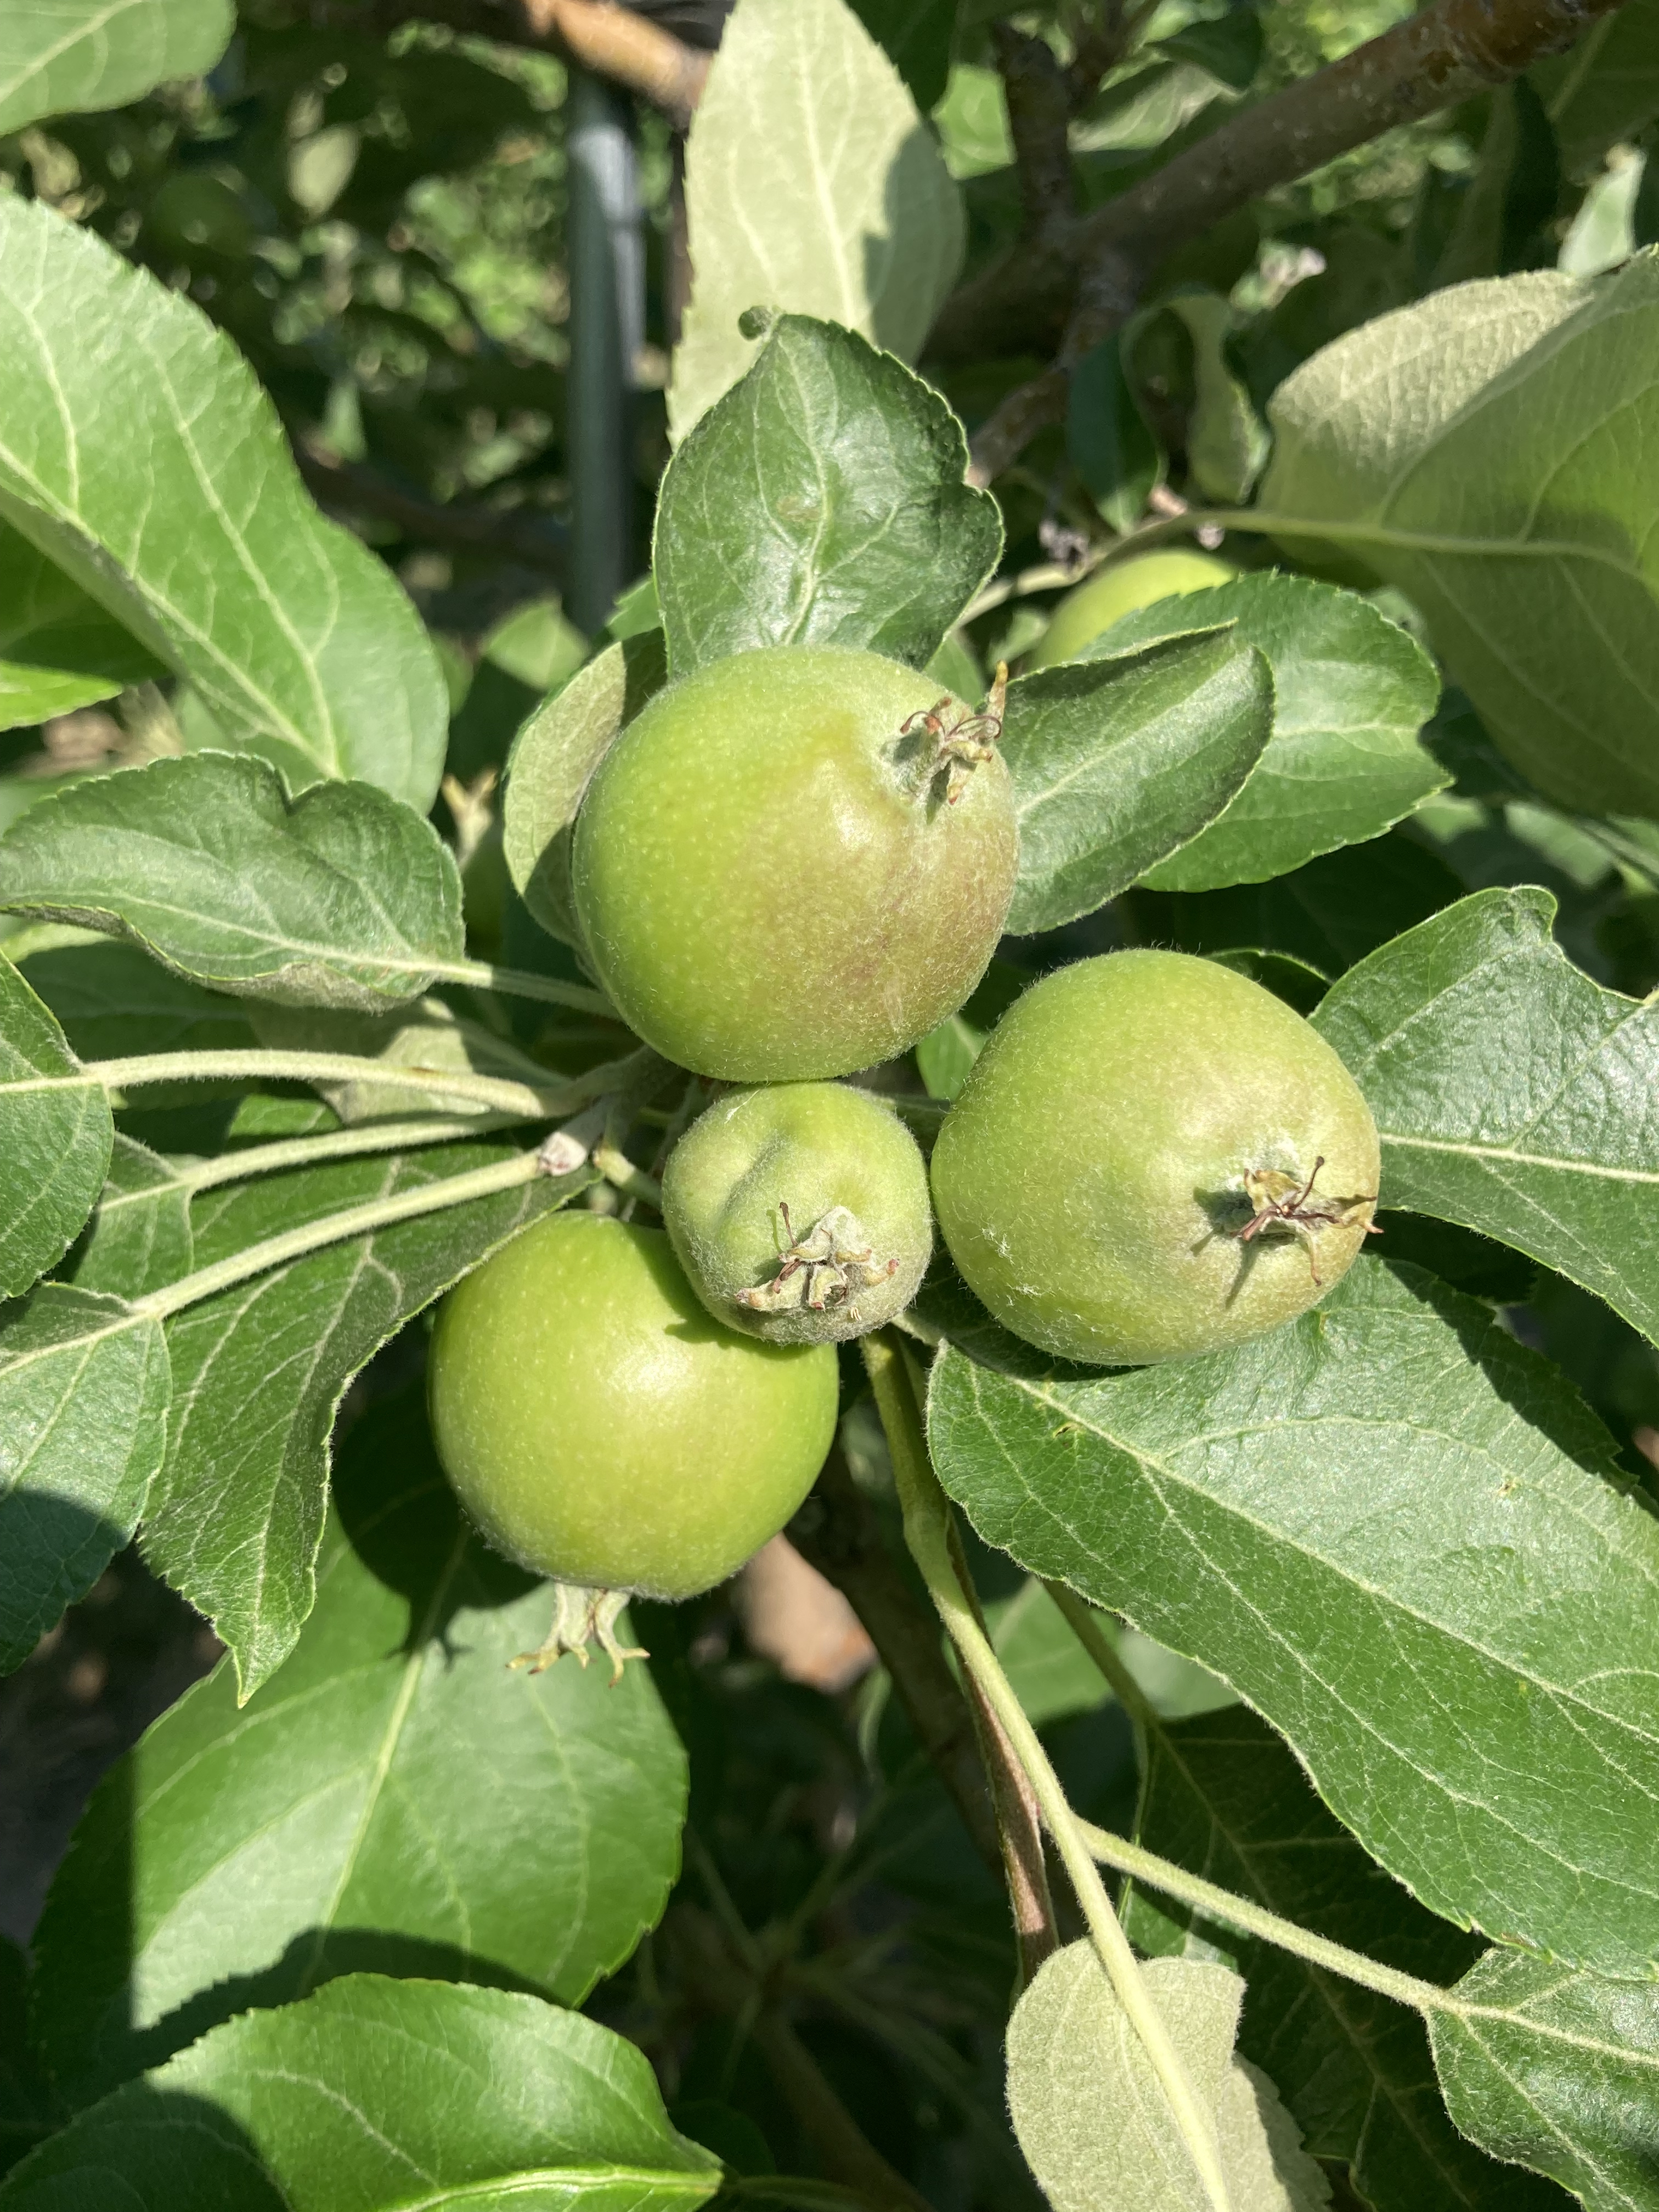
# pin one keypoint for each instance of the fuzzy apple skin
(766, 894)
(1122, 589)
(599, 1427)
(810, 1147)
(1089, 1180)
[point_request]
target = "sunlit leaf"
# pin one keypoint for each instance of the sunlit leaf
(812, 185)
(399, 1799)
(1402, 1538)
(382, 2095)
(139, 455)
(341, 898)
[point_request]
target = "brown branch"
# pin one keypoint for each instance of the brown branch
(352, 490)
(610, 41)
(1086, 281)
(1039, 110)
(614, 42)
(840, 1533)
(732, 1976)
(845, 2152)
(1019, 1819)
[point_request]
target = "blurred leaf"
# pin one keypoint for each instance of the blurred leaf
(55, 1135)
(1051, 1672)
(1512, 1093)
(75, 55)
(29, 2109)
(1327, 914)
(1226, 443)
(1112, 449)
(1116, 762)
(341, 897)
(370, 2090)
(58, 649)
(113, 1000)
(400, 1800)
(1487, 475)
(83, 1409)
(813, 186)
(553, 756)
(1559, 2072)
(1610, 224)
(1512, 196)
(972, 122)
(944, 1056)
(1223, 1796)
(138, 454)
(1606, 86)
(1455, 1564)
(1230, 47)
(1351, 692)
(259, 1370)
(915, 36)
(1288, 978)
(1092, 2114)
(821, 502)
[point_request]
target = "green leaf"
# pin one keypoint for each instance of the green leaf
(428, 1035)
(1090, 2114)
(1351, 691)
(58, 649)
(821, 502)
(83, 1408)
(1116, 762)
(341, 897)
(55, 1135)
(1402, 1537)
(1512, 196)
(553, 756)
(1559, 2072)
(1486, 471)
(113, 1000)
(29, 2108)
(70, 57)
(1049, 1670)
(1605, 87)
(259, 1371)
(1106, 434)
(140, 456)
(400, 1800)
(1226, 444)
(811, 185)
(140, 1235)
(1223, 1795)
(1327, 914)
(916, 35)
(1512, 1093)
(944, 1056)
(382, 2096)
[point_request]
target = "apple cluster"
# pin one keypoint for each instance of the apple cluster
(788, 869)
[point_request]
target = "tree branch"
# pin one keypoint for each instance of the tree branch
(349, 489)
(843, 1540)
(1019, 1817)
(1087, 279)
(1039, 110)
